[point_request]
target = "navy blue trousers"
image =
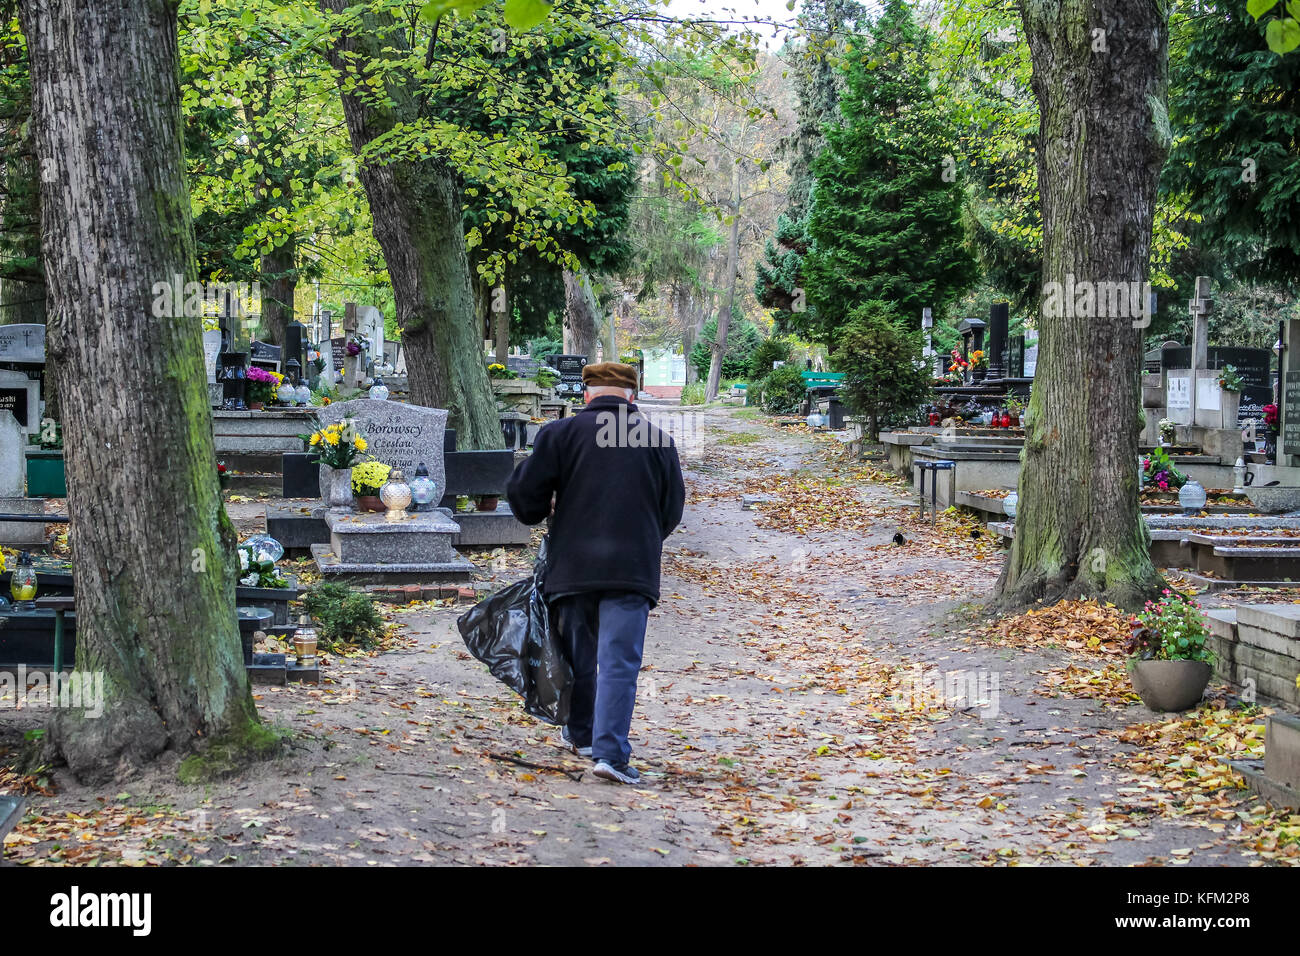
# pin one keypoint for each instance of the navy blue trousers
(604, 634)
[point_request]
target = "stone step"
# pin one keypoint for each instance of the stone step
(1282, 750)
(370, 538)
(1223, 623)
(1283, 619)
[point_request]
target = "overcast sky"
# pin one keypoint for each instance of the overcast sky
(738, 9)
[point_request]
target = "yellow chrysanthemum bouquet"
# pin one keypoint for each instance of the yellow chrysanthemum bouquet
(368, 477)
(338, 445)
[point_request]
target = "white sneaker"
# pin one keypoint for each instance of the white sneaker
(624, 774)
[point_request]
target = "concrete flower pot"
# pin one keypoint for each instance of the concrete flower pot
(1170, 685)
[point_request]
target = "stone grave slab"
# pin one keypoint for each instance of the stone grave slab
(482, 529)
(367, 548)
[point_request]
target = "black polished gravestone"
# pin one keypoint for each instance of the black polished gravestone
(301, 475)
(479, 472)
(1254, 366)
(570, 368)
(999, 313)
(265, 355)
(15, 400)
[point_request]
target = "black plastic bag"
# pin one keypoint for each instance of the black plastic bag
(513, 632)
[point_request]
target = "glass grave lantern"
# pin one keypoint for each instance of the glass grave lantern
(423, 489)
(1009, 505)
(379, 391)
(22, 584)
(1191, 497)
(304, 642)
(396, 495)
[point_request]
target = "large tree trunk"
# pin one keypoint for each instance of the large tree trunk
(416, 210)
(582, 314)
(1099, 76)
(719, 344)
(153, 569)
(279, 282)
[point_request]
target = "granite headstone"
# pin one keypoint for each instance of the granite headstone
(211, 349)
(13, 465)
(398, 434)
(22, 343)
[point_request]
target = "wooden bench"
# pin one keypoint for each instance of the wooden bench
(817, 384)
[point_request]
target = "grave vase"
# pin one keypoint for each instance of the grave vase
(336, 488)
(1230, 402)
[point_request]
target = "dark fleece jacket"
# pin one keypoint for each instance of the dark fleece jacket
(618, 493)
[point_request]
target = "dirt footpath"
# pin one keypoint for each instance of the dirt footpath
(791, 711)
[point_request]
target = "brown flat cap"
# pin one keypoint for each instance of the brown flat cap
(615, 374)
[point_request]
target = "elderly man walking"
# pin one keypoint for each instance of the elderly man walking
(612, 484)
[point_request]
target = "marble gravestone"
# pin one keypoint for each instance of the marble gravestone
(23, 344)
(211, 354)
(398, 434)
(13, 468)
(12, 463)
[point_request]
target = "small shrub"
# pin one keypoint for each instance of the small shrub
(782, 390)
(344, 617)
(773, 349)
(693, 394)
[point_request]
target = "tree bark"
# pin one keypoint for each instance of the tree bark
(416, 210)
(582, 314)
(1099, 74)
(719, 344)
(501, 325)
(154, 561)
(279, 282)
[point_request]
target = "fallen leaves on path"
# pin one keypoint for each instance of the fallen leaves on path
(1084, 626)
(1180, 774)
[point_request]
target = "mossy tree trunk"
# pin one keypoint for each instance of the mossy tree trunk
(153, 547)
(416, 208)
(581, 314)
(279, 282)
(1099, 74)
